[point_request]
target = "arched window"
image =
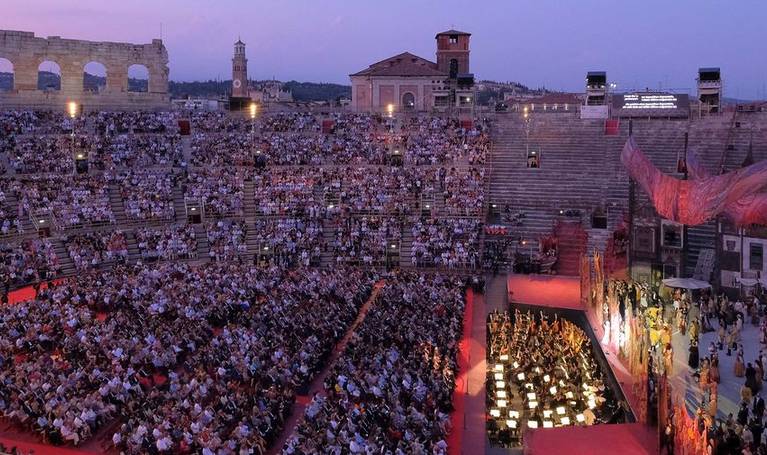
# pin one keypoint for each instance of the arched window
(6, 75)
(94, 77)
(49, 76)
(408, 101)
(138, 78)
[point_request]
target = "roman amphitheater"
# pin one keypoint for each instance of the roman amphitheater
(419, 275)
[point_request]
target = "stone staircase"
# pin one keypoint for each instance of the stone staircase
(406, 246)
(572, 244)
(117, 204)
(201, 235)
(66, 263)
(249, 202)
(178, 203)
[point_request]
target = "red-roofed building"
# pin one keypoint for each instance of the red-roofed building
(407, 82)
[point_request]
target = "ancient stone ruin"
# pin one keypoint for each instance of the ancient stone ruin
(26, 52)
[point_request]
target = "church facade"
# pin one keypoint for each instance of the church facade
(409, 83)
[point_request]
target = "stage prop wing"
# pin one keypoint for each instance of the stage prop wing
(691, 202)
(751, 209)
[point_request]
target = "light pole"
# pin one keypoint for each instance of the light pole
(526, 115)
(253, 111)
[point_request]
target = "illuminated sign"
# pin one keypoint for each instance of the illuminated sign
(645, 103)
(649, 101)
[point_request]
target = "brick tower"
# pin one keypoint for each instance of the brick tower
(453, 52)
(239, 71)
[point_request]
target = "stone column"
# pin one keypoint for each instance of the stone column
(117, 77)
(71, 77)
(25, 73)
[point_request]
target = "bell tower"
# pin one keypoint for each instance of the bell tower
(453, 52)
(239, 71)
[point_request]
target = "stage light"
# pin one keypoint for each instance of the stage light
(495, 412)
(561, 410)
(532, 424)
(193, 209)
(561, 212)
(393, 246)
(79, 156)
(41, 221)
(580, 418)
(548, 424)
(565, 420)
(428, 206)
(266, 248)
(72, 109)
(514, 414)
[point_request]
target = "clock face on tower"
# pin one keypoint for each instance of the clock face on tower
(236, 83)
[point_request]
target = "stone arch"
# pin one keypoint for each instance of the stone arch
(138, 78)
(49, 76)
(7, 75)
(408, 101)
(94, 77)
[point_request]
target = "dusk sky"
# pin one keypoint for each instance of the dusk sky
(536, 42)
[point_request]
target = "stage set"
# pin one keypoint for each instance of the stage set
(687, 363)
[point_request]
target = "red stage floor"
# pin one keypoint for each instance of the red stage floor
(546, 290)
(623, 439)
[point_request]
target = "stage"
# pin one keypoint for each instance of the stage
(551, 291)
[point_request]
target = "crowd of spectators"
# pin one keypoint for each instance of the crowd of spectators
(171, 242)
(147, 194)
(367, 240)
(220, 190)
(186, 359)
(227, 239)
(28, 261)
(9, 220)
(90, 250)
(289, 242)
(445, 242)
(72, 200)
(391, 389)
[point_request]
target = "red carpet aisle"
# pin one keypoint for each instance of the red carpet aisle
(546, 290)
(317, 384)
(461, 383)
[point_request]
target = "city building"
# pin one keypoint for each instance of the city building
(409, 83)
